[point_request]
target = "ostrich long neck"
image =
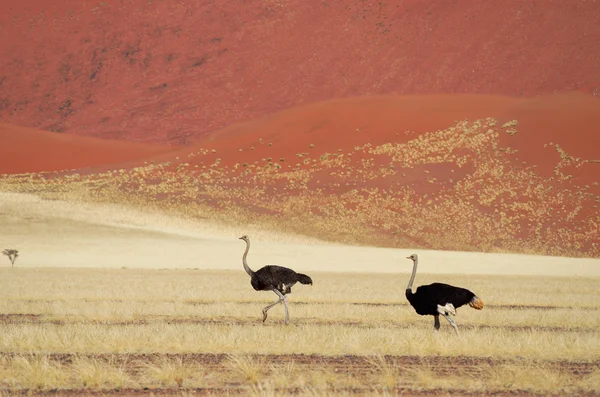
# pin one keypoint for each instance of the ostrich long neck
(246, 267)
(412, 277)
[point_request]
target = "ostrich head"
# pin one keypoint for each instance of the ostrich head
(413, 257)
(244, 237)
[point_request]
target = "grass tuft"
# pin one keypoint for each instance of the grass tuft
(36, 372)
(93, 373)
(386, 373)
(247, 369)
(170, 372)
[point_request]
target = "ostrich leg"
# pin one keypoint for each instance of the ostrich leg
(452, 323)
(270, 305)
(287, 315)
(436, 323)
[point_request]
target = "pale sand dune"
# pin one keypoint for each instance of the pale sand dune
(62, 234)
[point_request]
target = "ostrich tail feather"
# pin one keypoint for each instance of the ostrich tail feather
(304, 279)
(476, 303)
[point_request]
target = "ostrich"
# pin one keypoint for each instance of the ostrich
(438, 298)
(273, 278)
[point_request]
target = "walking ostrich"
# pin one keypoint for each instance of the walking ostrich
(438, 298)
(273, 278)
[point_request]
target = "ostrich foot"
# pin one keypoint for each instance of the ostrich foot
(264, 315)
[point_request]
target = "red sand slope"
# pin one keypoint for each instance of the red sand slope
(163, 71)
(569, 120)
(26, 150)
(400, 172)
(397, 171)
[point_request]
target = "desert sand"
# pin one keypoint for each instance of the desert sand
(65, 234)
(170, 71)
(28, 150)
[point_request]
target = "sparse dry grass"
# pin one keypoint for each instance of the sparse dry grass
(168, 372)
(32, 372)
(92, 373)
(103, 329)
(246, 368)
(334, 339)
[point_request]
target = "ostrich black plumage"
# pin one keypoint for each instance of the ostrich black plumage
(274, 278)
(438, 298)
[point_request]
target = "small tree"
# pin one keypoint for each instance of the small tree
(12, 255)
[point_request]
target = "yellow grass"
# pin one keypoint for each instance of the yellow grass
(171, 372)
(299, 339)
(128, 328)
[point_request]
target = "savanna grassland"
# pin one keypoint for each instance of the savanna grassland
(73, 331)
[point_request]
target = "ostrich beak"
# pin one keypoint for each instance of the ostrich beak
(408, 257)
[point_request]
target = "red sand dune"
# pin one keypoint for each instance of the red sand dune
(341, 124)
(324, 170)
(163, 71)
(25, 150)
(396, 171)
(570, 120)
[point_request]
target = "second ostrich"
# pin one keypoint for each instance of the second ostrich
(274, 278)
(438, 298)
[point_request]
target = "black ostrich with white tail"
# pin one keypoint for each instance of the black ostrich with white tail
(274, 278)
(438, 298)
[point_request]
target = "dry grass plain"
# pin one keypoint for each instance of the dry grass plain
(68, 331)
